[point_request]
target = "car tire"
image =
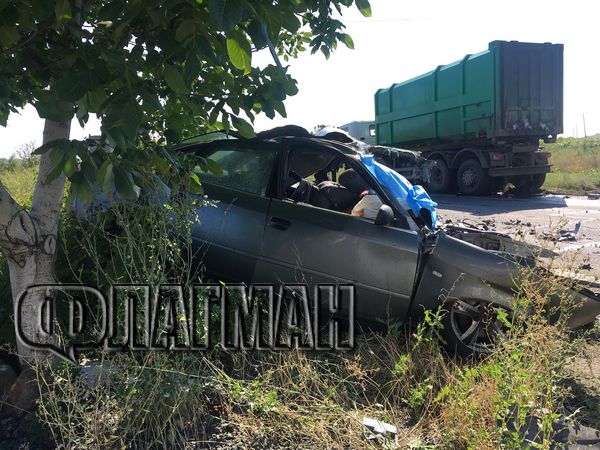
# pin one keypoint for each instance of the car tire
(439, 178)
(472, 328)
(472, 179)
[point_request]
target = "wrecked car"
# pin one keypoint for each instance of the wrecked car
(410, 164)
(286, 212)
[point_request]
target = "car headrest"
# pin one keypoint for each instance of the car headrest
(352, 181)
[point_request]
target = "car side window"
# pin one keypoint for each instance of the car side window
(244, 169)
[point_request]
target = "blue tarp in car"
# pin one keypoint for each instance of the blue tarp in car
(410, 197)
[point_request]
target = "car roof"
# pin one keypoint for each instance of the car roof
(287, 140)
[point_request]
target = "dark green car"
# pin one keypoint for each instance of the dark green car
(286, 212)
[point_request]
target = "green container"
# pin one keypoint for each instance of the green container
(510, 93)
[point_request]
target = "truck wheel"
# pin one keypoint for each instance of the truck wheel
(538, 180)
(472, 178)
(439, 177)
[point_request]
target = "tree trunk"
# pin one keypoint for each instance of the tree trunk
(29, 243)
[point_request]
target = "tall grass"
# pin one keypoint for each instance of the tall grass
(297, 398)
(575, 165)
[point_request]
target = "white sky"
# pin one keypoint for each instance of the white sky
(405, 38)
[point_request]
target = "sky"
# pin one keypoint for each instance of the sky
(403, 39)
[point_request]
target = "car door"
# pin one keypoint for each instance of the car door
(227, 239)
(306, 244)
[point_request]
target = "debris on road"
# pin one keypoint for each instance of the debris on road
(563, 235)
(380, 431)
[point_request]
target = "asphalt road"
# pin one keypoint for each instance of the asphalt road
(534, 217)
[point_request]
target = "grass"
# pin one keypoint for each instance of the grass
(288, 399)
(576, 165)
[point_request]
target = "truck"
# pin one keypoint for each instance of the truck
(482, 120)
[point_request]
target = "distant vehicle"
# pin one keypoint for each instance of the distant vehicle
(282, 214)
(480, 118)
(361, 130)
(408, 163)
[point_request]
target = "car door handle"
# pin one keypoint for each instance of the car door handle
(279, 223)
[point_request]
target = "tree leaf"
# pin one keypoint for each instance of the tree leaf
(125, 184)
(214, 167)
(239, 51)
(62, 9)
(346, 39)
(71, 88)
(47, 107)
(226, 14)
(175, 80)
(132, 118)
(8, 36)
(194, 185)
(243, 127)
(185, 30)
(364, 7)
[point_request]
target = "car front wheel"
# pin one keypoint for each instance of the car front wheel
(474, 328)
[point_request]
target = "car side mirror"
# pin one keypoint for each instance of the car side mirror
(385, 216)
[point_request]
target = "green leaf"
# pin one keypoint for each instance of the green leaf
(8, 36)
(62, 144)
(185, 30)
(62, 9)
(70, 166)
(132, 118)
(125, 184)
(194, 185)
(243, 127)
(56, 171)
(81, 188)
(226, 14)
(239, 51)
(48, 107)
(346, 39)
(71, 88)
(214, 167)
(108, 179)
(175, 80)
(364, 7)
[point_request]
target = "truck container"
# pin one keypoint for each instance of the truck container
(481, 118)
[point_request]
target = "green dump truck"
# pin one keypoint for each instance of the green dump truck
(481, 118)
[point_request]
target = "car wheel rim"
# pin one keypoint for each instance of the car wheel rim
(476, 325)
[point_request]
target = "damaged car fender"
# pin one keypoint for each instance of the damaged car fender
(457, 269)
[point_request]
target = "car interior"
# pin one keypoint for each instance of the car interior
(323, 180)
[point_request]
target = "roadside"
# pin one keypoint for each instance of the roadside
(575, 166)
(541, 219)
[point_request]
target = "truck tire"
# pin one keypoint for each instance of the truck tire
(538, 180)
(472, 179)
(439, 178)
(528, 184)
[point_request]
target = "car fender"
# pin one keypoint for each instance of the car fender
(457, 269)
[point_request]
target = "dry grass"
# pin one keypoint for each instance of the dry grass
(576, 165)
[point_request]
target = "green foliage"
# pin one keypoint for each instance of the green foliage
(152, 69)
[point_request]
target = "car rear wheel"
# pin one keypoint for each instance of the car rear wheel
(439, 177)
(472, 178)
(473, 328)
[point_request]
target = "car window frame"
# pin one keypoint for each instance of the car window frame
(401, 217)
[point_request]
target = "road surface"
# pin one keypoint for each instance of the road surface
(534, 216)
